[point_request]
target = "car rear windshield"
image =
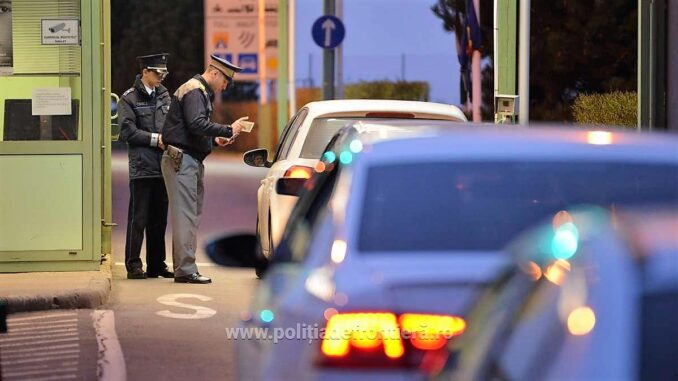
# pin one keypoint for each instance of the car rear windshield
(322, 130)
(481, 206)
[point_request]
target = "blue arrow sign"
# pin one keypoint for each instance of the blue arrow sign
(328, 32)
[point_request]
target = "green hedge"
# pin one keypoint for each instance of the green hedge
(617, 109)
(401, 90)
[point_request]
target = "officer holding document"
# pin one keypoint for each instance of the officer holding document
(189, 135)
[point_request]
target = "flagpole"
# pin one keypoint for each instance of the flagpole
(476, 80)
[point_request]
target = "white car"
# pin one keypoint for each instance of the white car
(303, 140)
(394, 240)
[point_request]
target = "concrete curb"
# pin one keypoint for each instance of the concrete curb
(95, 294)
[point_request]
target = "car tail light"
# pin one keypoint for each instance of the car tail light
(299, 171)
(385, 340)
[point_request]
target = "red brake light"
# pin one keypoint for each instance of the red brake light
(430, 332)
(299, 172)
(382, 339)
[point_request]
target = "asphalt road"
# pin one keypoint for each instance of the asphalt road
(151, 329)
(174, 331)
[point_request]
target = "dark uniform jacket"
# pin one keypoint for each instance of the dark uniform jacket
(140, 116)
(188, 125)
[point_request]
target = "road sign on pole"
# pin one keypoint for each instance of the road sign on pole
(328, 32)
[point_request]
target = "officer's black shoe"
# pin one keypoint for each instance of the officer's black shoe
(136, 274)
(193, 278)
(165, 273)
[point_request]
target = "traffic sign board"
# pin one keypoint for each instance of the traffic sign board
(328, 32)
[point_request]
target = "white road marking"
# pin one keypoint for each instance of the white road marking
(52, 378)
(22, 368)
(38, 359)
(37, 372)
(200, 311)
(23, 344)
(15, 356)
(42, 317)
(111, 363)
(24, 332)
(11, 324)
(49, 348)
(35, 337)
(42, 327)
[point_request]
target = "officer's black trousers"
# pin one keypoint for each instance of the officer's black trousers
(147, 212)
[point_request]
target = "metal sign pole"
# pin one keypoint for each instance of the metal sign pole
(328, 59)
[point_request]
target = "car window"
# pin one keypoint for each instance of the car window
(447, 206)
(322, 129)
(320, 133)
(292, 134)
(305, 215)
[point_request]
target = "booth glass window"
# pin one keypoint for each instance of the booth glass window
(40, 60)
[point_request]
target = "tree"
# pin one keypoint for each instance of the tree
(576, 47)
(452, 13)
(155, 26)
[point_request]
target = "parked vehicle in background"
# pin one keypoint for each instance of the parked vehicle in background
(593, 295)
(303, 140)
(402, 236)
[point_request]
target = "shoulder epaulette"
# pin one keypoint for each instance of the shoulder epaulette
(191, 84)
(128, 91)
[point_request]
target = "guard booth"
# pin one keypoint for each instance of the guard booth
(55, 201)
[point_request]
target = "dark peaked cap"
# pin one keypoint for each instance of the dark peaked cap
(153, 61)
(224, 66)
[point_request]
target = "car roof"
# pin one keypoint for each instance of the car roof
(509, 142)
(349, 107)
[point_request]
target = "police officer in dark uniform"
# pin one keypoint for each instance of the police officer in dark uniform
(189, 135)
(142, 112)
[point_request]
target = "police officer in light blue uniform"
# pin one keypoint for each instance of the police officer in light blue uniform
(190, 135)
(142, 112)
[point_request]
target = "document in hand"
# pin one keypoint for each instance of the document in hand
(247, 126)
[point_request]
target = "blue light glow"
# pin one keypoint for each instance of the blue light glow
(346, 157)
(266, 316)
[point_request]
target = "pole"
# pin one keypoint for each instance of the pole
(328, 59)
(283, 59)
(645, 49)
(339, 10)
(672, 67)
(524, 63)
(261, 19)
(265, 133)
(476, 81)
(505, 13)
(292, 57)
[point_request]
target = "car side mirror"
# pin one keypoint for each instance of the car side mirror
(234, 250)
(290, 186)
(257, 158)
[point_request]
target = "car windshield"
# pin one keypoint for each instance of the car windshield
(480, 206)
(322, 130)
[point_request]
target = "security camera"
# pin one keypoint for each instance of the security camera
(505, 108)
(59, 27)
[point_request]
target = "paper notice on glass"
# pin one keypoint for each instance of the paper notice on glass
(52, 101)
(6, 45)
(246, 126)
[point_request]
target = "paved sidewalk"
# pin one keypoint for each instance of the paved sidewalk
(53, 290)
